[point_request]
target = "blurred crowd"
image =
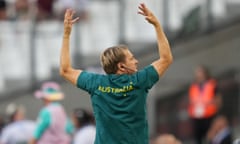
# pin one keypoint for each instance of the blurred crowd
(40, 9)
(52, 125)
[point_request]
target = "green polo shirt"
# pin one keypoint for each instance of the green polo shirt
(119, 104)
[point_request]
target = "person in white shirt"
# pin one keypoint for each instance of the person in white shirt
(19, 130)
(85, 128)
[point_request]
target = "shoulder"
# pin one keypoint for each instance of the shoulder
(9, 129)
(87, 80)
(29, 123)
(85, 132)
(89, 128)
(148, 71)
(45, 112)
(86, 74)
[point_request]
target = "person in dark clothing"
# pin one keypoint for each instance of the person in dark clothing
(204, 102)
(3, 10)
(220, 132)
(45, 9)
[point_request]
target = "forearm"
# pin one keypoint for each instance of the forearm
(164, 50)
(65, 60)
(66, 69)
(163, 45)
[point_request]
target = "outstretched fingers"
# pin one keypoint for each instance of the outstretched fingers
(143, 9)
(75, 20)
(69, 16)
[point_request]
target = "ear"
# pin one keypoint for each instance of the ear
(120, 66)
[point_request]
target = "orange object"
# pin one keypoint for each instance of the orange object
(202, 103)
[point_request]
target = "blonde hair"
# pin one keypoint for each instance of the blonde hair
(111, 57)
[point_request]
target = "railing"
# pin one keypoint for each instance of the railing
(29, 51)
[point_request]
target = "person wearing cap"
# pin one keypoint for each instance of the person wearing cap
(85, 128)
(53, 127)
(18, 130)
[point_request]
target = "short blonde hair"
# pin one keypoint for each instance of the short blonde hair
(111, 57)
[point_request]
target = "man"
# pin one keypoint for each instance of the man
(220, 131)
(85, 128)
(19, 130)
(53, 125)
(3, 10)
(204, 102)
(166, 139)
(118, 98)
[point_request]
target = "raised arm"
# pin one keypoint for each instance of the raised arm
(66, 69)
(165, 53)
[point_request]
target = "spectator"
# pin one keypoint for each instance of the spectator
(22, 8)
(85, 129)
(45, 9)
(53, 126)
(80, 6)
(166, 139)
(204, 102)
(2, 123)
(219, 132)
(3, 10)
(19, 130)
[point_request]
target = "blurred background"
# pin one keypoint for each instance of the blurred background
(200, 32)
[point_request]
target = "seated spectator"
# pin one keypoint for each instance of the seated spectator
(166, 139)
(219, 132)
(85, 128)
(22, 8)
(18, 130)
(3, 10)
(45, 9)
(2, 122)
(80, 6)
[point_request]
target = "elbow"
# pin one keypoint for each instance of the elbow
(168, 59)
(63, 72)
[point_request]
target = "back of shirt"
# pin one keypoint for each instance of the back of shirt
(119, 103)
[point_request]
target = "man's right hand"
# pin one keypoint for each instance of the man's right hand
(69, 21)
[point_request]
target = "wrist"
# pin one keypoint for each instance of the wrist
(157, 25)
(67, 32)
(66, 36)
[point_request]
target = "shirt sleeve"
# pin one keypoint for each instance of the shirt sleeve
(147, 77)
(87, 81)
(43, 123)
(69, 127)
